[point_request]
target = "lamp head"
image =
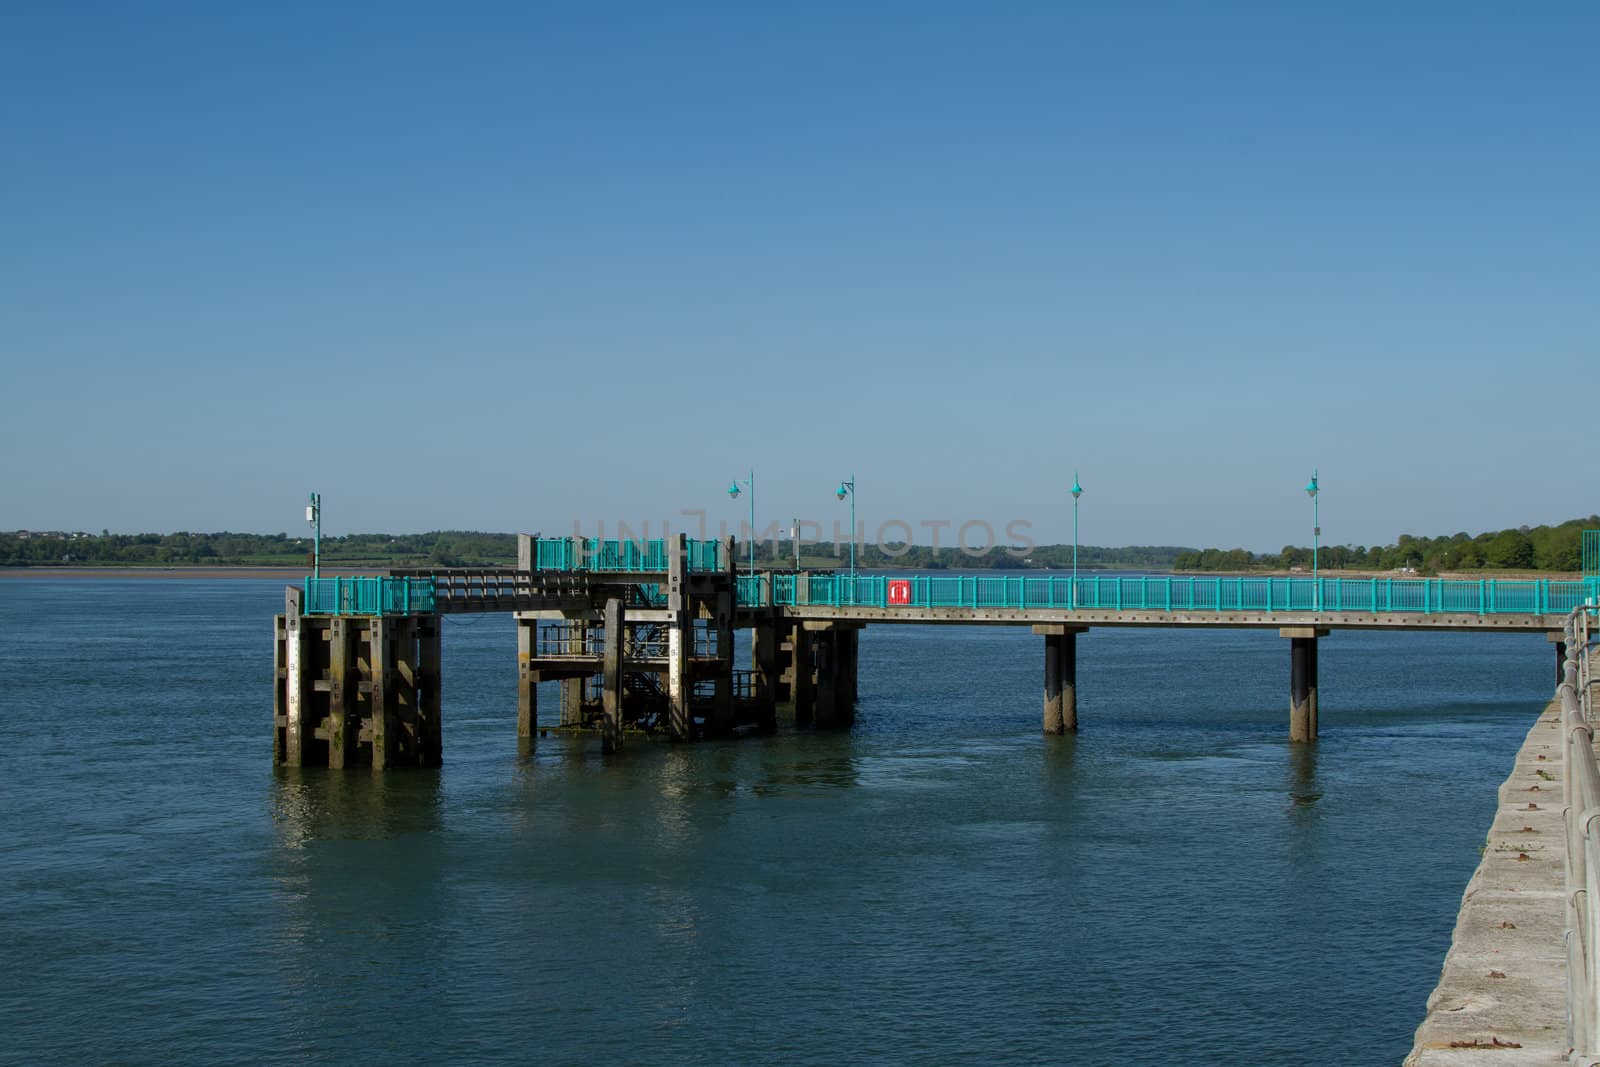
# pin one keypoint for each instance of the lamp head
(1311, 486)
(844, 490)
(733, 490)
(1077, 490)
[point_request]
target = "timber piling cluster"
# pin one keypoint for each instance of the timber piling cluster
(356, 691)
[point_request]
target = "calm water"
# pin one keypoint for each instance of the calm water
(1176, 884)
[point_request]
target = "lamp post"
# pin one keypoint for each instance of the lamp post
(733, 491)
(1316, 537)
(1077, 491)
(314, 517)
(848, 489)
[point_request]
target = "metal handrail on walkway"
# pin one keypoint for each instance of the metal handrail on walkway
(1169, 593)
(1581, 817)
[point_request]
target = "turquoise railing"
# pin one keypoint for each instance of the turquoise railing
(369, 596)
(616, 554)
(1591, 552)
(1427, 596)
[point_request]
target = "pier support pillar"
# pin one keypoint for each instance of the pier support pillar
(1559, 639)
(611, 694)
(764, 662)
(1060, 676)
(429, 691)
(720, 722)
(527, 677)
(356, 690)
(1302, 681)
(823, 655)
(802, 686)
(849, 645)
(680, 641)
(300, 669)
(833, 650)
(384, 728)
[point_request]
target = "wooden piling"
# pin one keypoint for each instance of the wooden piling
(343, 723)
(430, 689)
(298, 722)
(802, 686)
(680, 641)
(384, 729)
(611, 696)
(764, 664)
(527, 678)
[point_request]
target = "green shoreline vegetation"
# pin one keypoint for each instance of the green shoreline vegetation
(1538, 548)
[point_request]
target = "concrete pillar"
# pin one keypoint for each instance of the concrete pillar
(611, 695)
(1559, 639)
(524, 552)
(1052, 684)
(802, 686)
(764, 662)
(1060, 677)
(825, 653)
(527, 677)
(849, 642)
(1302, 681)
(680, 641)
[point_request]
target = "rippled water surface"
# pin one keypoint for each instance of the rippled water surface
(1176, 884)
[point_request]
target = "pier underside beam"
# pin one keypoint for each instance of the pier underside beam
(1559, 639)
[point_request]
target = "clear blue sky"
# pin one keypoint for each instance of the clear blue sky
(507, 266)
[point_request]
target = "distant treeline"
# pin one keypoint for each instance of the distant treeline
(1547, 548)
(1537, 548)
(464, 548)
(450, 548)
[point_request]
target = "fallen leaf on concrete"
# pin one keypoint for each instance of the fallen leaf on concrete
(1497, 974)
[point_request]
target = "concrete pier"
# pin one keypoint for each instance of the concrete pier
(1501, 996)
(665, 664)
